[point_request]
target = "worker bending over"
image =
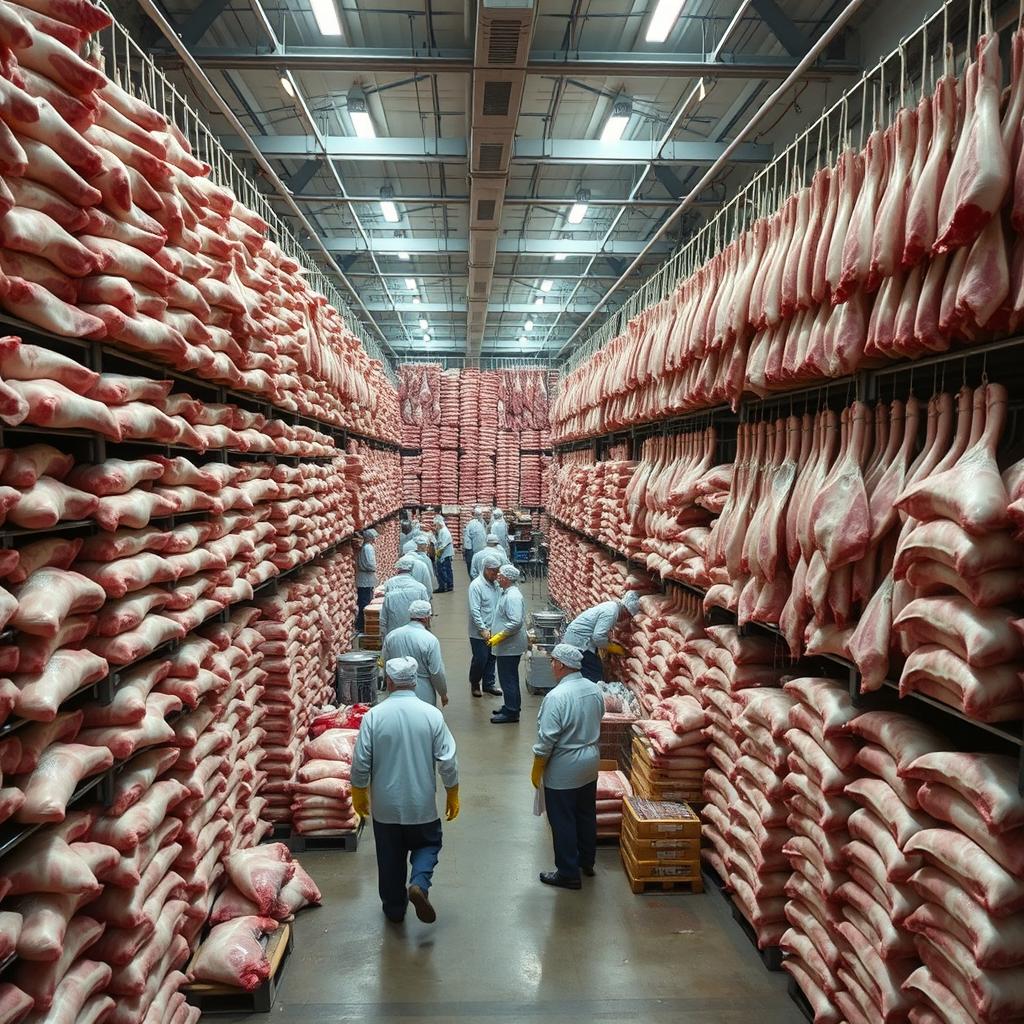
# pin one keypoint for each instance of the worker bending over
(591, 629)
(402, 743)
(399, 593)
(482, 598)
(508, 641)
(444, 549)
(473, 536)
(565, 761)
(414, 640)
(493, 548)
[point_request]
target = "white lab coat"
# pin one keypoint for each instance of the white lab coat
(399, 592)
(414, 640)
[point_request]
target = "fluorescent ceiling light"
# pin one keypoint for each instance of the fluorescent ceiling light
(390, 211)
(546, 286)
(415, 300)
(423, 325)
(403, 255)
(662, 20)
(426, 339)
(559, 256)
(286, 84)
(577, 213)
(528, 325)
(410, 283)
(622, 110)
(363, 124)
(326, 14)
(539, 301)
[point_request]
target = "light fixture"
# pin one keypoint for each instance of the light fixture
(423, 325)
(622, 111)
(415, 300)
(662, 20)
(528, 325)
(326, 15)
(579, 208)
(426, 339)
(539, 301)
(403, 256)
(286, 84)
(387, 206)
(410, 283)
(359, 112)
(523, 340)
(560, 256)
(546, 285)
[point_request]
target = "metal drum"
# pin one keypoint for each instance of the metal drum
(546, 627)
(356, 678)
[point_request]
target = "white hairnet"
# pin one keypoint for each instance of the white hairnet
(370, 534)
(405, 563)
(510, 572)
(498, 514)
(478, 511)
(420, 609)
(421, 538)
(493, 560)
(630, 600)
(401, 670)
(492, 538)
(571, 657)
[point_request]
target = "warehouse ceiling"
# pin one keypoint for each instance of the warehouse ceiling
(401, 100)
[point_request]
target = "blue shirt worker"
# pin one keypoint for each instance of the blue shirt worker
(482, 598)
(414, 640)
(508, 642)
(402, 745)
(590, 631)
(423, 567)
(500, 528)
(399, 592)
(493, 548)
(444, 548)
(565, 761)
(366, 575)
(473, 536)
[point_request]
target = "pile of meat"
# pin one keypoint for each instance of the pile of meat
(373, 479)
(612, 786)
(322, 790)
(852, 267)
(581, 574)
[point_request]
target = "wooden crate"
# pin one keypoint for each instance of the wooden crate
(676, 850)
(217, 998)
(643, 757)
(655, 819)
(675, 791)
(693, 882)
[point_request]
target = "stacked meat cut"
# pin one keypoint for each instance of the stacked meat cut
(322, 790)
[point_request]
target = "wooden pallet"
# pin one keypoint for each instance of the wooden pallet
(641, 885)
(347, 842)
(215, 998)
(281, 833)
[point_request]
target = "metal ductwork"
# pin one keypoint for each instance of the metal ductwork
(504, 31)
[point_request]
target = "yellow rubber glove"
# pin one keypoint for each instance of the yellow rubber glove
(451, 804)
(614, 648)
(537, 774)
(496, 639)
(361, 801)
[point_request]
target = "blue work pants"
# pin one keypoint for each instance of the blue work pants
(399, 849)
(572, 815)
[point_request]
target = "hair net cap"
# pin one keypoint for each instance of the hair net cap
(492, 538)
(405, 563)
(478, 511)
(498, 514)
(420, 609)
(630, 601)
(401, 670)
(510, 572)
(571, 657)
(439, 520)
(493, 560)
(370, 534)
(421, 538)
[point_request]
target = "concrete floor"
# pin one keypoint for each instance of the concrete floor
(505, 947)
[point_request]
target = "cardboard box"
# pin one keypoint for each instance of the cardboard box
(684, 871)
(649, 819)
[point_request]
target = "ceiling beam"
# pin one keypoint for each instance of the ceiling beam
(199, 21)
(579, 64)
(522, 246)
(533, 151)
(528, 308)
(552, 201)
(793, 40)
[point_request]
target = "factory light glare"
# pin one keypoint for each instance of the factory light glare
(286, 84)
(403, 256)
(423, 325)
(560, 256)
(539, 301)
(326, 14)
(622, 110)
(363, 124)
(528, 325)
(577, 213)
(664, 17)
(410, 283)
(546, 286)
(390, 211)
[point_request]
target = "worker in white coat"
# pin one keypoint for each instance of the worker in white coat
(500, 528)
(508, 642)
(565, 761)
(423, 570)
(366, 574)
(444, 551)
(403, 744)
(414, 640)
(473, 536)
(399, 592)
(482, 597)
(590, 631)
(493, 548)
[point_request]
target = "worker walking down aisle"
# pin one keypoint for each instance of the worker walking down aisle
(414, 640)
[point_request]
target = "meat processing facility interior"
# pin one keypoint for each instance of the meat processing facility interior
(511, 511)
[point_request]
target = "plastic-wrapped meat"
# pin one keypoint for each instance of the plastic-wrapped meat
(232, 953)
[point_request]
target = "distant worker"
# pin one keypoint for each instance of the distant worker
(414, 640)
(590, 631)
(423, 570)
(565, 761)
(500, 528)
(473, 536)
(482, 597)
(444, 552)
(508, 642)
(408, 539)
(366, 575)
(399, 592)
(403, 742)
(493, 548)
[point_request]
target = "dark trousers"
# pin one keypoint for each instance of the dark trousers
(445, 576)
(508, 678)
(468, 555)
(572, 814)
(364, 595)
(481, 668)
(592, 668)
(399, 848)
